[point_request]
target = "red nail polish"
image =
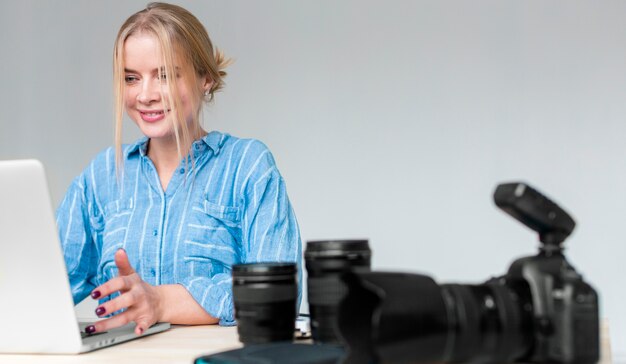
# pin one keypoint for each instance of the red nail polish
(100, 311)
(95, 294)
(90, 329)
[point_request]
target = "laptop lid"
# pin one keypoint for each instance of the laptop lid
(36, 306)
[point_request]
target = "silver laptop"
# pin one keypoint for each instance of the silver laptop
(36, 307)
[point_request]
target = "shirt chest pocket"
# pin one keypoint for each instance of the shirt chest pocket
(213, 238)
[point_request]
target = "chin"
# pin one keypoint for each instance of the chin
(152, 134)
(156, 131)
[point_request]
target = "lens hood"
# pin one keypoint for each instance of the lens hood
(378, 325)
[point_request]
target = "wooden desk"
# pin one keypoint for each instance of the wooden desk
(180, 344)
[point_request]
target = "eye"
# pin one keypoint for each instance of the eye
(163, 75)
(129, 79)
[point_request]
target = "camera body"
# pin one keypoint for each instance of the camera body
(565, 309)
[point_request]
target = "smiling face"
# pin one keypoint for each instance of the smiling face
(147, 92)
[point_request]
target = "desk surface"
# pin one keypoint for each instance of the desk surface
(180, 344)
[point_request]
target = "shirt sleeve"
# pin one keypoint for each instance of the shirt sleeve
(214, 294)
(270, 229)
(75, 233)
(269, 233)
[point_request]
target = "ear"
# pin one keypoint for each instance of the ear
(208, 83)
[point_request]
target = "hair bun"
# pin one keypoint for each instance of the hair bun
(222, 62)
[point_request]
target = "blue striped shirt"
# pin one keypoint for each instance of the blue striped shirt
(228, 205)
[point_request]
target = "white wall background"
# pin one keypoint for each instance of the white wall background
(390, 120)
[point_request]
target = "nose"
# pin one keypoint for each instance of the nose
(150, 92)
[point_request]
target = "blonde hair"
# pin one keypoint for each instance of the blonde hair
(183, 40)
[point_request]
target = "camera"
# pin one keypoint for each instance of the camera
(540, 311)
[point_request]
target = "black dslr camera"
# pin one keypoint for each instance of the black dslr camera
(540, 311)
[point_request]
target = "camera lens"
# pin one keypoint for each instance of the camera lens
(326, 260)
(489, 323)
(265, 297)
(400, 317)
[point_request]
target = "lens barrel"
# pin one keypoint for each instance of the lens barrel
(399, 317)
(326, 261)
(489, 323)
(265, 297)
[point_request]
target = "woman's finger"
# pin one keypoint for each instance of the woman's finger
(123, 264)
(120, 302)
(121, 284)
(111, 323)
(143, 323)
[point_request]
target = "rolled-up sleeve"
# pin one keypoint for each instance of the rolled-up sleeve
(214, 294)
(270, 230)
(75, 233)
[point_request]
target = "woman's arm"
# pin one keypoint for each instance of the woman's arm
(179, 307)
(75, 223)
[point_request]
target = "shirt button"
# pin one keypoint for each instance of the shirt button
(182, 170)
(155, 233)
(197, 147)
(152, 272)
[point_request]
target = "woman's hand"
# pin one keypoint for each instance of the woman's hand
(140, 299)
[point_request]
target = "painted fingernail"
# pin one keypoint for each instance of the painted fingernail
(95, 294)
(100, 311)
(90, 329)
(140, 330)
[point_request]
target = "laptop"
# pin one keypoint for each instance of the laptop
(36, 307)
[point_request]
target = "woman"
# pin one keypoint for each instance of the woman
(151, 229)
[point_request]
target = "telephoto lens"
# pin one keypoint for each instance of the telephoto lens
(392, 317)
(326, 261)
(265, 296)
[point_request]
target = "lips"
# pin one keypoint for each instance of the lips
(151, 116)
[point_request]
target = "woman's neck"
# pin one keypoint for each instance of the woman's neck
(163, 152)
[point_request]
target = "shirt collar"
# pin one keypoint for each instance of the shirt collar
(213, 140)
(141, 146)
